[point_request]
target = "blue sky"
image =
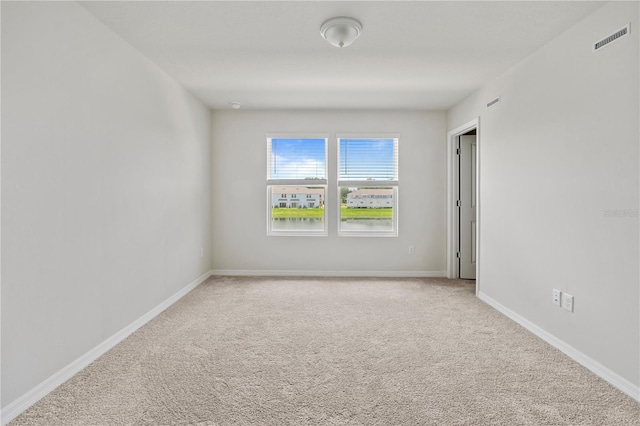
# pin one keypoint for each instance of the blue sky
(360, 159)
(298, 158)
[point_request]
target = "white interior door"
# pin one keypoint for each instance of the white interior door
(467, 207)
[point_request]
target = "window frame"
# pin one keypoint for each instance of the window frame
(321, 183)
(363, 184)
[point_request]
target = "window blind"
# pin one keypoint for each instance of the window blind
(368, 160)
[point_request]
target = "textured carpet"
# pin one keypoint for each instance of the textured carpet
(287, 351)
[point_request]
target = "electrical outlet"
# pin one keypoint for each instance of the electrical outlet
(557, 297)
(567, 302)
(412, 250)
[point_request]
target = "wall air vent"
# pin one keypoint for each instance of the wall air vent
(611, 38)
(493, 102)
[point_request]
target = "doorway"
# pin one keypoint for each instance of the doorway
(463, 206)
(467, 206)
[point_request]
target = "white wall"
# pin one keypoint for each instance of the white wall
(241, 244)
(105, 188)
(559, 150)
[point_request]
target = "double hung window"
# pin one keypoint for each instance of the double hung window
(296, 185)
(368, 186)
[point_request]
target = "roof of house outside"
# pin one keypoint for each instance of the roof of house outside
(372, 191)
(296, 190)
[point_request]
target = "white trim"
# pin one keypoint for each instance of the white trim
(21, 404)
(594, 366)
(452, 184)
(346, 274)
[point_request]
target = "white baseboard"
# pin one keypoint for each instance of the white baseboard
(594, 366)
(299, 273)
(21, 404)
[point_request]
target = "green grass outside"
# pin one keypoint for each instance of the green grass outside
(281, 213)
(345, 213)
(353, 213)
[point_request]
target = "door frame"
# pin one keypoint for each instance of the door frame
(452, 196)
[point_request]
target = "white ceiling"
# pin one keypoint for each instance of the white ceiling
(269, 54)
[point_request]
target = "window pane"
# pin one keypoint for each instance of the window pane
(296, 158)
(297, 208)
(367, 209)
(368, 159)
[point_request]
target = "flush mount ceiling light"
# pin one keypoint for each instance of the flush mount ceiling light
(235, 105)
(341, 31)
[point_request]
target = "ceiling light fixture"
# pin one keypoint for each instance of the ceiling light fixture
(341, 31)
(236, 105)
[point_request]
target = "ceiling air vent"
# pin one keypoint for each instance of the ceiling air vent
(611, 38)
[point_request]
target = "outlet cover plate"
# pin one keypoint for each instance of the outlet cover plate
(557, 297)
(567, 302)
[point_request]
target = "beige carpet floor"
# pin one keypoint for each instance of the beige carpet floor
(285, 351)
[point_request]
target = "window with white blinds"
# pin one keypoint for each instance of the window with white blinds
(370, 159)
(296, 185)
(368, 186)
